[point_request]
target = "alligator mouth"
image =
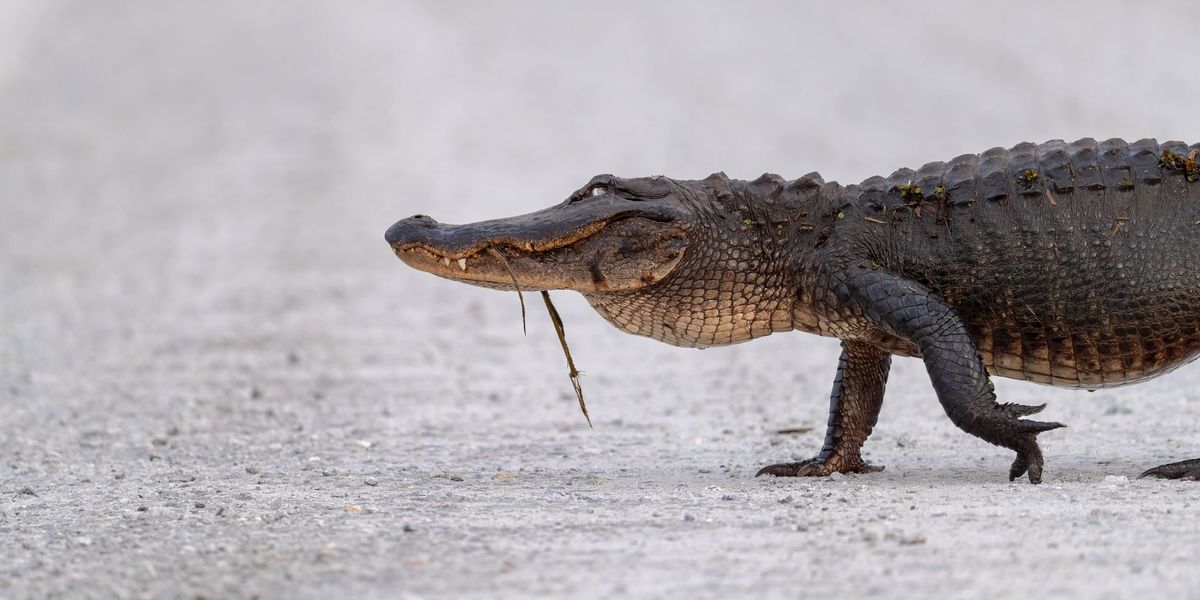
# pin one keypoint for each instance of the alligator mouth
(465, 255)
(623, 250)
(488, 266)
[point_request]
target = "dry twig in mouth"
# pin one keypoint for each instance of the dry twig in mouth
(562, 339)
(520, 296)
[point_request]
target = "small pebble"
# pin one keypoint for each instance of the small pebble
(409, 528)
(456, 478)
(371, 481)
(198, 504)
(143, 508)
(252, 470)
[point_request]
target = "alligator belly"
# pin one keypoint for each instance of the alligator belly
(1069, 371)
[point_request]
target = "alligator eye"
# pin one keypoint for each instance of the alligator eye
(599, 190)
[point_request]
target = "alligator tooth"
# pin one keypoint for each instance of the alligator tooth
(445, 261)
(462, 264)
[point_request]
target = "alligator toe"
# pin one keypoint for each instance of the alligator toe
(814, 467)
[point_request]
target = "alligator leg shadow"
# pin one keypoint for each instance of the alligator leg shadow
(853, 409)
(1184, 469)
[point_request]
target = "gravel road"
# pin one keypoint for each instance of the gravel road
(216, 381)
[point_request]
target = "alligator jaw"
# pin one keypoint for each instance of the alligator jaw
(608, 246)
(480, 268)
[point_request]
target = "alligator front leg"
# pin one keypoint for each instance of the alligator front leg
(1184, 469)
(910, 311)
(853, 409)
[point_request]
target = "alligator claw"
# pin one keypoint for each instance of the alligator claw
(1017, 411)
(1028, 461)
(1184, 469)
(1029, 454)
(815, 468)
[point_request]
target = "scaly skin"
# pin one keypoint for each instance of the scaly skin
(1075, 265)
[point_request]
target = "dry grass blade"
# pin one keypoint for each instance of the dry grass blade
(562, 339)
(793, 430)
(520, 296)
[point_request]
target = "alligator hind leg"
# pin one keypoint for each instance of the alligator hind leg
(853, 409)
(1184, 469)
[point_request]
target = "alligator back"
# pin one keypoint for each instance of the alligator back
(1075, 265)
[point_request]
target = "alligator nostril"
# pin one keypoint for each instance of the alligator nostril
(414, 228)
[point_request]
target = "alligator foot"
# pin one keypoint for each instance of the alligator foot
(853, 408)
(1184, 469)
(818, 467)
(1020, 435)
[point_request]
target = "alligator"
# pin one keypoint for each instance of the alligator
(1069, 264)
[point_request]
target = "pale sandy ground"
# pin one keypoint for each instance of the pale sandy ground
(217, 381)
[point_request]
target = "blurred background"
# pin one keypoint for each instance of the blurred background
(194, 284)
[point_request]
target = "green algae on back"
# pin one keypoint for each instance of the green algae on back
(911, 191)
(1189, 165)
(1029, 178)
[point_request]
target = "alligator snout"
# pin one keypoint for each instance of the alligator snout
(416, 228)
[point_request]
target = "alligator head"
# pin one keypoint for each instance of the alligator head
(605, 237)
(692, 263)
